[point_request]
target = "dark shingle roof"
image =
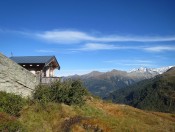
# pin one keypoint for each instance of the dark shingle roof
(33, 59)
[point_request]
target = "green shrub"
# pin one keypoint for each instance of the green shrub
(11, 103)
(68, 92)
(42, 94)
(76, 93)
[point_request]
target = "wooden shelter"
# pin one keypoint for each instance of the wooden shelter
(42, 66)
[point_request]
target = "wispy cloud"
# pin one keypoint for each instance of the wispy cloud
(70, 36)
(104, 46)
(18, 32)
(107, 46)
(132, 62)
(65, 36)
(93, 42)
(45, 51)
(97, 46)
(160, 48)
(75, 36)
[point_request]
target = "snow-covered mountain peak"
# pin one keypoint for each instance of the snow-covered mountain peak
(162, 69)
(151, 70)
(141, 69)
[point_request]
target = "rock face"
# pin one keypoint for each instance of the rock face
(16, 79)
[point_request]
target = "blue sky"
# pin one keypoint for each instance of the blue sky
(87, 35)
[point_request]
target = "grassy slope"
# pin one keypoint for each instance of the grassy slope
(94, 115)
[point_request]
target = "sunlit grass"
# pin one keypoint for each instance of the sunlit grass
(94, 115)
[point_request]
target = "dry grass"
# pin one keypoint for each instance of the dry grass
(37, 119)
(5, 117)
(126, 118)
(95, 115)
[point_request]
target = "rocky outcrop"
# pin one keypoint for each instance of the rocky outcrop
(16, 79)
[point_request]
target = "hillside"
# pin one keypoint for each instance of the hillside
(103, 83)
(95, 115)
(156, 94)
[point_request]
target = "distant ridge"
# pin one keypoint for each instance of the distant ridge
(156, 94)
(103, 83)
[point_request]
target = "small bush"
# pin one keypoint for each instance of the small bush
(68, 92)
(76, 93)
(42, 94)
(11, 103)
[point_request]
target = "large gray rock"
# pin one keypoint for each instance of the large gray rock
(16, 79)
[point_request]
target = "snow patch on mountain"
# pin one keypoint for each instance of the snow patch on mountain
(150, 70)
(162, 69)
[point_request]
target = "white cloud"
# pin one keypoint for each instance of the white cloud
(131, 62)
(102, 46)
(138, 64)
(105, 46)
(137, 61)
(64, 36)
(96, 42)
(75, 36)
(70, 36)
(45, 51)
(97, 46)
(160, 48)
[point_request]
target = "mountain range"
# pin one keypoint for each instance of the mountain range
(152, 70)
(103, 83)
(155, 94)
